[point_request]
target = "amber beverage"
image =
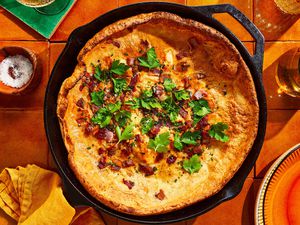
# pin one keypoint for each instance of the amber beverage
(289, 6)
(288, 72)
(36, 3)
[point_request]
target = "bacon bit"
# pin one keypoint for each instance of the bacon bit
(88, 129)
(160, 195)
(134, 80)
(128, 183)
(145, 43)
(181, 55)
(156, 71)
(127, 163)
(197, 150)
(172, 145)
(115, 167)
(182, 67)
(159, 157)
(189, 152)
(183, 113)
(198, 95)
(158, 90)
(80, 121)
(138, 138)
(94, 108)
(130, 61)
(147, 170)
(171, 159)
(101, 151)
(200, 75)
(116, 43)
(205, 137)
(92, 85)
(102, 163)
(193, 42)
(203, 122)
(88, 75)
(104, 134)
(80, 103)
(186, 82)
(162, 77)
(125, 153)
(155, 129)
(111, 151)
(81, 87)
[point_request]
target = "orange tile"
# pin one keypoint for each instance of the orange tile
(273, 50)
(227, 20)
(234, 212)
(126, 2)
(5, 219)
(55, 50)
(15, 29)
(22, 139)
(249, 46)
(35, 98)
(109, 220)
(274, 24)
(282, 133)
(82, 12)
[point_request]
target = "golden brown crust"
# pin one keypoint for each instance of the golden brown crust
(239, 109)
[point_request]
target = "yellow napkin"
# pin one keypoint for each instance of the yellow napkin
(33, 196)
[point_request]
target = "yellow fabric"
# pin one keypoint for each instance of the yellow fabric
(33, 196)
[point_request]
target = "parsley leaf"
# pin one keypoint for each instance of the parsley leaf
(114, 107)
(126, 134)
(151, 60)
(190, 138)
(169, 85)
(217, 131)
(103, 116)
(177, 142)
(119, 85)
(160, 143)
(122, 117)
(97, 97)
(192, 165)
(134, 103)
(99, 74)
(182, 95)
(146, 123)
(200, 109)
(148, 101)
(172, 109)
(118, 68)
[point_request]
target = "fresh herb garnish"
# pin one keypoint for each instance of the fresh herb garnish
(150, 61)
(103, 116)
(217, 131)
(200, 109)
(182, 95)
(122, 117)
(172, 109)
(97, 97)
(192, 165)
(160, 143)
(118, 68)
(101, 75)
(169, 85)
(190, 138)
(119, 85)
(177, 142)
(148, 101)
(134, 103)
(126, 134)
(114, 107)
(146, 123)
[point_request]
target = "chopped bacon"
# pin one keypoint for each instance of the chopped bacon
(186, 82)
(205, 137)
(130, 61)
(197, 150)
(147, 170)
(80, 121)
(91, 85)
(128, 183)
(115, 167)
(193, 42)
(104, 134)
(198, 95)
(134, 80)
(127, 163)
(116, 43)
(171, 159)
(155, 129)
(158, 90)
(172, 147)
(162, 77)
(125, 153)
(81, 86)
(182, 67)
(160, 195)
(101, 151)
(181, 55)
(159, 157)
(156, 71)
(94, 108)
(202, 123)
(80, 103)
(145, 43)
(111, 151)
(138, 138)
(183, 113)
(88, 129)
(102, 163)
(186, 126)
(189, 152)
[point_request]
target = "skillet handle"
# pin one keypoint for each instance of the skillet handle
(245, 22)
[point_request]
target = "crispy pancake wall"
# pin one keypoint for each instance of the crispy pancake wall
(227, 81)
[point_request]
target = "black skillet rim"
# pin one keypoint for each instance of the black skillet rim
(232, 188)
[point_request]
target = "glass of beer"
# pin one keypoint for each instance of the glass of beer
(289, 6)
(288, 72)
(47, 7)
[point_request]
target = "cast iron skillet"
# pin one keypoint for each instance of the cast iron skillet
(67, 61)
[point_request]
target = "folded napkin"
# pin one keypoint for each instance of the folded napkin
(33, 196)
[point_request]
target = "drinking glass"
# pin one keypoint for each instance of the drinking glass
(46, 7)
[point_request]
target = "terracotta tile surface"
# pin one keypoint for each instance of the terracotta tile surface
(282, 134)
(273, 51)
(239, 210)
(82, 13)
(55, 50)
(126, 2)
(109, 220)
(15, 29)
(275, 24)
(23, 140)
(227, 20)
(35, 98)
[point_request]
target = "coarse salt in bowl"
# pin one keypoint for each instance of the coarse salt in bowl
(16, 71)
